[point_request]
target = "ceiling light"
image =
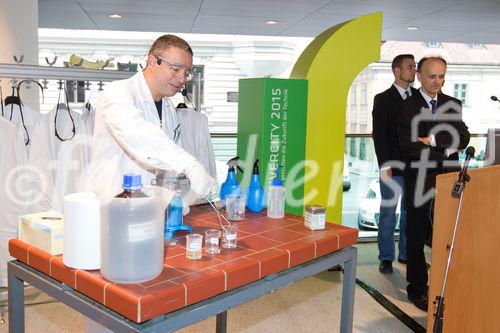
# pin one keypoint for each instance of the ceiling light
(412, 28)
(271, 22)
(115, 16)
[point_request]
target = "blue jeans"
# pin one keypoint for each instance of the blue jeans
(387, 220)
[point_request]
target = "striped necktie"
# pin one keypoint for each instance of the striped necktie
(434, 106)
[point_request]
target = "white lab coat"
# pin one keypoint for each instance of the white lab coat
(128, 137)
(12, 112)
(196, 138)
(14, 194)
(61, 162)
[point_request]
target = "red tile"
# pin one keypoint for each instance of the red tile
(62, 273)
(282, 235)
(202, 284)
(250, 216)
(300, 251)
(172, 251)
(19, 250)
(124, 299)
(271, 261)
(280, 223)
(91, 284)
(184, 264)
(239, 272)
(161, 298)
(257, 243)
(168, 273)
(301, 228)
(211, 220)
(326, 245)
(39, 260)
(231, 254)
(255, 227)
(348, 237)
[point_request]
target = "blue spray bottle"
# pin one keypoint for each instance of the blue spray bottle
(255, 192)
(230, 185)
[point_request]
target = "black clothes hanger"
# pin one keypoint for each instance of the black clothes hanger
(13, 99)
(16, 100)
(61, 105)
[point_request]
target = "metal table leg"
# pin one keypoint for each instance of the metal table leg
(221, 322)
(348, 287)
(16, 302)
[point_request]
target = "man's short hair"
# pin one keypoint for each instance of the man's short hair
(397, 62)
(424, 59)
(166, 41)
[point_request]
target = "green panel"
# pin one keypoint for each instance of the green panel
(271, 127)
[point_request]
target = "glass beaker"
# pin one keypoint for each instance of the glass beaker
(193, 246)
(230, 236)
(212, 241)
(235, 207)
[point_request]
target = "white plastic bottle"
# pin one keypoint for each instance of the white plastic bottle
(132, 235)
(276, 198)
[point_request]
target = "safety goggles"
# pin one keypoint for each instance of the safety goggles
(176, 69)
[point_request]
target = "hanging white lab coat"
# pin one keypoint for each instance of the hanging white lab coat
(14, 193)
(31, 117)
(61, 162)
(196, 138)
(128, 137)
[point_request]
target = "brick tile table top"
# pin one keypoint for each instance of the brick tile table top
(265, 246)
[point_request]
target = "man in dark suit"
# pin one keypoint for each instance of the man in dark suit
(385, 139)
(431, 132)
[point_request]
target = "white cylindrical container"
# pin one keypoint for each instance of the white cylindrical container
(82, 231)
(276, 202)
(132, 237)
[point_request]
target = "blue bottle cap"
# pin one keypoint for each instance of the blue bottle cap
(131, 182)
(277, 181)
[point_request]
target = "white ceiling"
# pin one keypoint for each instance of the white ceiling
(470, 21)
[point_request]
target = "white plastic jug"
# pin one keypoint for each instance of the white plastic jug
(132, 238)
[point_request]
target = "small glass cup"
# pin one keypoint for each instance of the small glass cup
(212, 241)
(235, 207)
(193, 246)
(230, 237)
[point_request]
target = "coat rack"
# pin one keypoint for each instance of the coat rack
(20, 71)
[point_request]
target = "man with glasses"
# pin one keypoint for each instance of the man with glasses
(136, 127)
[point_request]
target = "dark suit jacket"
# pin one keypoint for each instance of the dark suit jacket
(415, 111)
(385, 136)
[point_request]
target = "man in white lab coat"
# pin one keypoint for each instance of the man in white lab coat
(136, 127)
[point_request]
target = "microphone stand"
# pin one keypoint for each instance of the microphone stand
(456, 192)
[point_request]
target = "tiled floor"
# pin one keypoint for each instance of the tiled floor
(310, 305)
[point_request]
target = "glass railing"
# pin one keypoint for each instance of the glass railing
(361, 196)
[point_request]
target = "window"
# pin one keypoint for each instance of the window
(363, 94)
(353, 94)
(75, 91)
(196, 86)
(460, 92)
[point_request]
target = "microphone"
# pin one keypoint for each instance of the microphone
(184, 93)
(495, 99)
(463, 177)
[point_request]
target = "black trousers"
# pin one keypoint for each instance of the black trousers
(418, 227)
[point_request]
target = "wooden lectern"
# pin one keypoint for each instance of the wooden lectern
(472, 296)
